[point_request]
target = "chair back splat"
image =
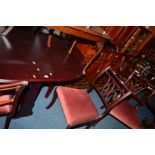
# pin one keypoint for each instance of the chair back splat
(112, 91)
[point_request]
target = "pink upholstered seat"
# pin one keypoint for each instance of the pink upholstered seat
(7, 108)
(77, 105)
(127, 114)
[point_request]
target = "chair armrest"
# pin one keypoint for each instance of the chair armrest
(12, 86)
(3, 103)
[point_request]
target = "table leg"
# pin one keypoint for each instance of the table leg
(71, 48)
(49, 40)
(99, 51)
(50, 88)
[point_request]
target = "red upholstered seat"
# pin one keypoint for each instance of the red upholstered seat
(127, 114)
(77, 105)
(7, 108)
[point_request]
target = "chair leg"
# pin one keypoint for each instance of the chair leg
(91, 125)
(7, 122)
(71, 48)
(89, 89)
(68, 127)
(55, 95)
(88, 126)
(148, 124)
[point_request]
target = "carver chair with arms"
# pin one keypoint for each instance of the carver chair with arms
(9, 97)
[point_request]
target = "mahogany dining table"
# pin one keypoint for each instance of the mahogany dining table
(24, 55)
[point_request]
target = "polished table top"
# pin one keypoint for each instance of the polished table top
(24, 55)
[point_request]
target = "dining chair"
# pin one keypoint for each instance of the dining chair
(80, 110)
(110, 95)
(9, 96)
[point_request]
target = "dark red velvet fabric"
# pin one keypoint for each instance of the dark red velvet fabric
(7, 108)
(77, 105)
(127, 114)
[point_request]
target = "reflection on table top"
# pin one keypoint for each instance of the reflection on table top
(24, 56)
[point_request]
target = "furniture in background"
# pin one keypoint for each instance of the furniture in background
(79, 109)
(129, 39)
(124, 41)
(10, 94)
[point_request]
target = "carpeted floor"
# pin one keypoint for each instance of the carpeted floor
(54, 117)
